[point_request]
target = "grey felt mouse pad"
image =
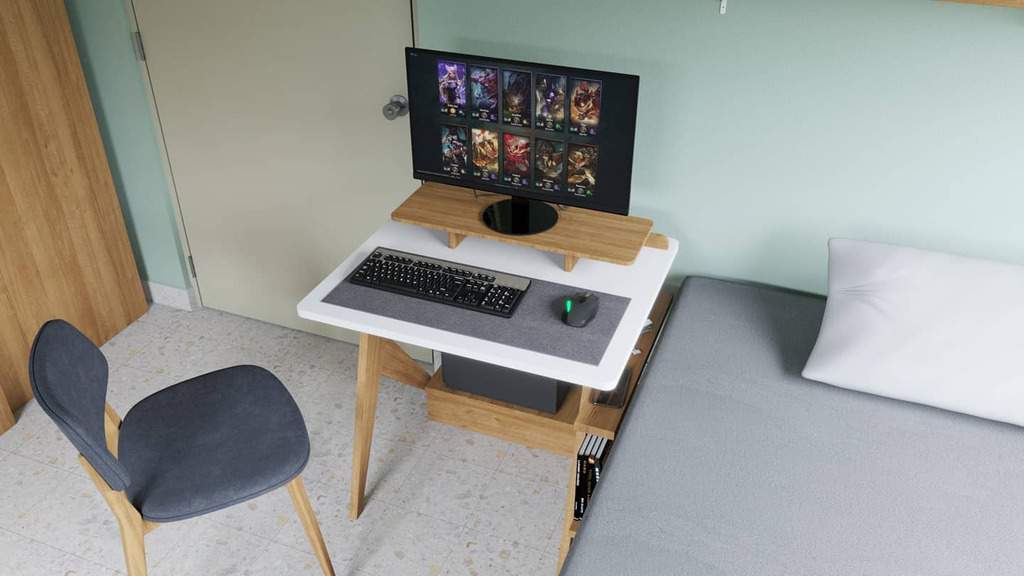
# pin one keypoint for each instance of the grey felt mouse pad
(536, 324)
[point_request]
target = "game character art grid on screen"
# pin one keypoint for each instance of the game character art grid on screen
(485, 154)
(532, 129)
(483, 89)
(451, 85)
(515, 160)
(515, 90)
(582, 169)
(549, 165)
(585, 107)
(550, 94)
(521, 92)
(453, 150)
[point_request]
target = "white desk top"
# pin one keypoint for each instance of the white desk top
(640, 282)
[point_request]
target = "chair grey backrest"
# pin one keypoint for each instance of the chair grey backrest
(69, 379)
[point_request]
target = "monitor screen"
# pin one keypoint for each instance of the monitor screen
(551, 133)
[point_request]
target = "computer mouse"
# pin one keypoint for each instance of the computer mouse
(579, 309)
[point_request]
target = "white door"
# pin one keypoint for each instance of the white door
(282, 160)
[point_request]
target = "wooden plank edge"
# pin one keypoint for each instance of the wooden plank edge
(7, 420)
(398, 365)
(657, 241)
(589, 413)
(462, 233)
(454, 239)
(574, 527)
(566, 413)
(441, 400)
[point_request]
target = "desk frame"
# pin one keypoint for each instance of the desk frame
(556, 433)
(380, 354)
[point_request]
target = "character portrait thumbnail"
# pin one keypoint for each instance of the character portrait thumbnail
(549, 165)
(582, 169)
(584, 107)
(483, 93)
(485, 154)
(451, 87)
(549, 102)
(515, 97)
(515, 167)
(454, 150)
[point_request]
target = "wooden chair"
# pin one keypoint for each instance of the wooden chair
(198, 446)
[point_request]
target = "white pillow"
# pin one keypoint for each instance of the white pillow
(926, 327)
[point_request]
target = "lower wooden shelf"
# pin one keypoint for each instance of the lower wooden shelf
(533, 428)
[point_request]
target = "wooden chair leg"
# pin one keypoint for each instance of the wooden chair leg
(129, 520)
(133, 542)
(367, 389)
(305, 511)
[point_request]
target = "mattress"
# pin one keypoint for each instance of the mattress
(729, 463)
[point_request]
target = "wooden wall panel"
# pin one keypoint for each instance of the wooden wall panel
(64, 250)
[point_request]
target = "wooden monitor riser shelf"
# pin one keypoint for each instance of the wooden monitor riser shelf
(578, 234)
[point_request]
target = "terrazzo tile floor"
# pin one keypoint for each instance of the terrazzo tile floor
(442, 501)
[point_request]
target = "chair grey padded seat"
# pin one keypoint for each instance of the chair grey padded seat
(211, 442)
(729, 463)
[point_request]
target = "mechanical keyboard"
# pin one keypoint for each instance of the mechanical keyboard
(441, 281)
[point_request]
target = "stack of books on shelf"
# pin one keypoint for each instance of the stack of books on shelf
(589, 463)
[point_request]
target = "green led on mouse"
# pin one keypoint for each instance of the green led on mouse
(579, 309)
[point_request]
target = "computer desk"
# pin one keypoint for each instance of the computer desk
(641, 282)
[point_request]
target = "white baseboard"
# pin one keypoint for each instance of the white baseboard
(180, 298)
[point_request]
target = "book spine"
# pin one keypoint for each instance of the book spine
(581, 489)
(579, 500)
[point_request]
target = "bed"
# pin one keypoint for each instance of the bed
(729, 463)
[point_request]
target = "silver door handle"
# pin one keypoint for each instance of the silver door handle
(397, 106)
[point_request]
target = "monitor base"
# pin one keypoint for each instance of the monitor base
(520, 216)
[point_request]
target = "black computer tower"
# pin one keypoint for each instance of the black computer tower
(503, 384)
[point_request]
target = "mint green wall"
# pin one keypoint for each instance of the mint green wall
(766, 131)
(115, 79)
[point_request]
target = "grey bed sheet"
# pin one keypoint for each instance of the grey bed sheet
(729, 463)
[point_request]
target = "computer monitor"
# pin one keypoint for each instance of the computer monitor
(536, 132)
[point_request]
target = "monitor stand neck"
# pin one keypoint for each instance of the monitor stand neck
(520, 216)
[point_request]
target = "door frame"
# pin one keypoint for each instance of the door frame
(195, 294)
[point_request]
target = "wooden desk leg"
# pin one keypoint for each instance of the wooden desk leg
(6, 414)
(367, 390)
